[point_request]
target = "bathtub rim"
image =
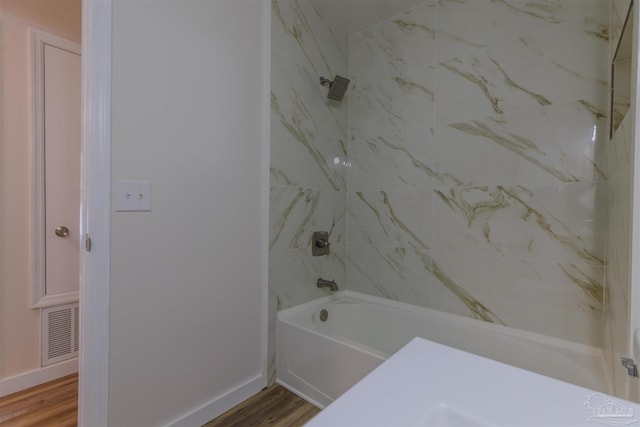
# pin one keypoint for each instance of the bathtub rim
(458, 320)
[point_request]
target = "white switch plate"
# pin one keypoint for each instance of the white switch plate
(133, 196)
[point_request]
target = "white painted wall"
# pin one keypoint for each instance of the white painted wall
(187, 279)
(19, 324)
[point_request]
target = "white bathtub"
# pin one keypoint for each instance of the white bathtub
(321, 360)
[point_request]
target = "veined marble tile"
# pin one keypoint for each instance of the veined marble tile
(308, 157)
(396, 46)
(395, 273)
(576, 47)
(620, 149)
(619, 10)
(308, 132)
(616, 306)
(293, 274)
(301, 33)
(407, 274)
(543, 146)
(476, 85)
(482, 220)
(529, 295)
(618, 235)
(390, 135)
(390, 218)
(622, 91)
(548, 223)
(395, 162)
(461, 159)
(459, 26)
(516, 93)
(577, 212)
(558, 63)
(570, 55)
(387, 104)
(295, 213)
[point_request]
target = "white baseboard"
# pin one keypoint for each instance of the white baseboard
(302, 395)
(37, 376)
(220, 404)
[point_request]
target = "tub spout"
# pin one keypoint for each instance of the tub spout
(321, 283)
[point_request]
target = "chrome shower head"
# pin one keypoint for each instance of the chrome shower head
(337, 87)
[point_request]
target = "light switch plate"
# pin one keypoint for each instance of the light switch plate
(133, 196)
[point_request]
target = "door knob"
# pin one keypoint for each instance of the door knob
(62, 231)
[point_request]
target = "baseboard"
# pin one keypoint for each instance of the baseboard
(220, 404)
(37, 376)
(302, 395)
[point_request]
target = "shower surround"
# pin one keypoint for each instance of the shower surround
(617, 332)
(474, 177)
(308, 153)
(308, 158)
(476, 139)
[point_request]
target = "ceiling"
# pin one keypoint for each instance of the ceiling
(353, 16)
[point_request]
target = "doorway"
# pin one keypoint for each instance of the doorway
(95, 17)
(21, 330)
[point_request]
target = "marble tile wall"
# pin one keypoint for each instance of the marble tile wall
(618, 228)
(620, 55)
(618, 14)
(308, 157)
(618, 235)
(477, 134)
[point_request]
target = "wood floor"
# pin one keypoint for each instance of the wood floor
(51, 404)
(273, 406)
(55, 404)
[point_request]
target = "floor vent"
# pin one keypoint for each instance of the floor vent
(60, 333)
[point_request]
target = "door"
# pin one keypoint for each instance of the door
(62, 169)
(57, 113)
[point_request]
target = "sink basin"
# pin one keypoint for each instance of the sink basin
(443, 416)
(429, 384)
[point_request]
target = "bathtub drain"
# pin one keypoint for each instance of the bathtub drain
(324, 315)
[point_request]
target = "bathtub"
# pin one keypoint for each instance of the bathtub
(320, 360)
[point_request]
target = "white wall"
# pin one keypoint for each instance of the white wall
(187, 278)
(19, 324)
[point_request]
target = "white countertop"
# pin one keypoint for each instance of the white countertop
(429, 384)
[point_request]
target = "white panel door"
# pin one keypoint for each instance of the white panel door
(62, 138)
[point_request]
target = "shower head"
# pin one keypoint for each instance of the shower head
(337, 87)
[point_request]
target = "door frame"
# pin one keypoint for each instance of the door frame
(37, 41)
(93, 393)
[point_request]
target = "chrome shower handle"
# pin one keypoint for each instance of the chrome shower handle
(322, 243)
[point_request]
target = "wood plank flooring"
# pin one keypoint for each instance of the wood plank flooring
(56, 404)
(51, 404)
(273, 406)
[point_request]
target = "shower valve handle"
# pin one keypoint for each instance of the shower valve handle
(322, 243)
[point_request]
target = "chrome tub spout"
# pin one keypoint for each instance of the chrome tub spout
(321, 283)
